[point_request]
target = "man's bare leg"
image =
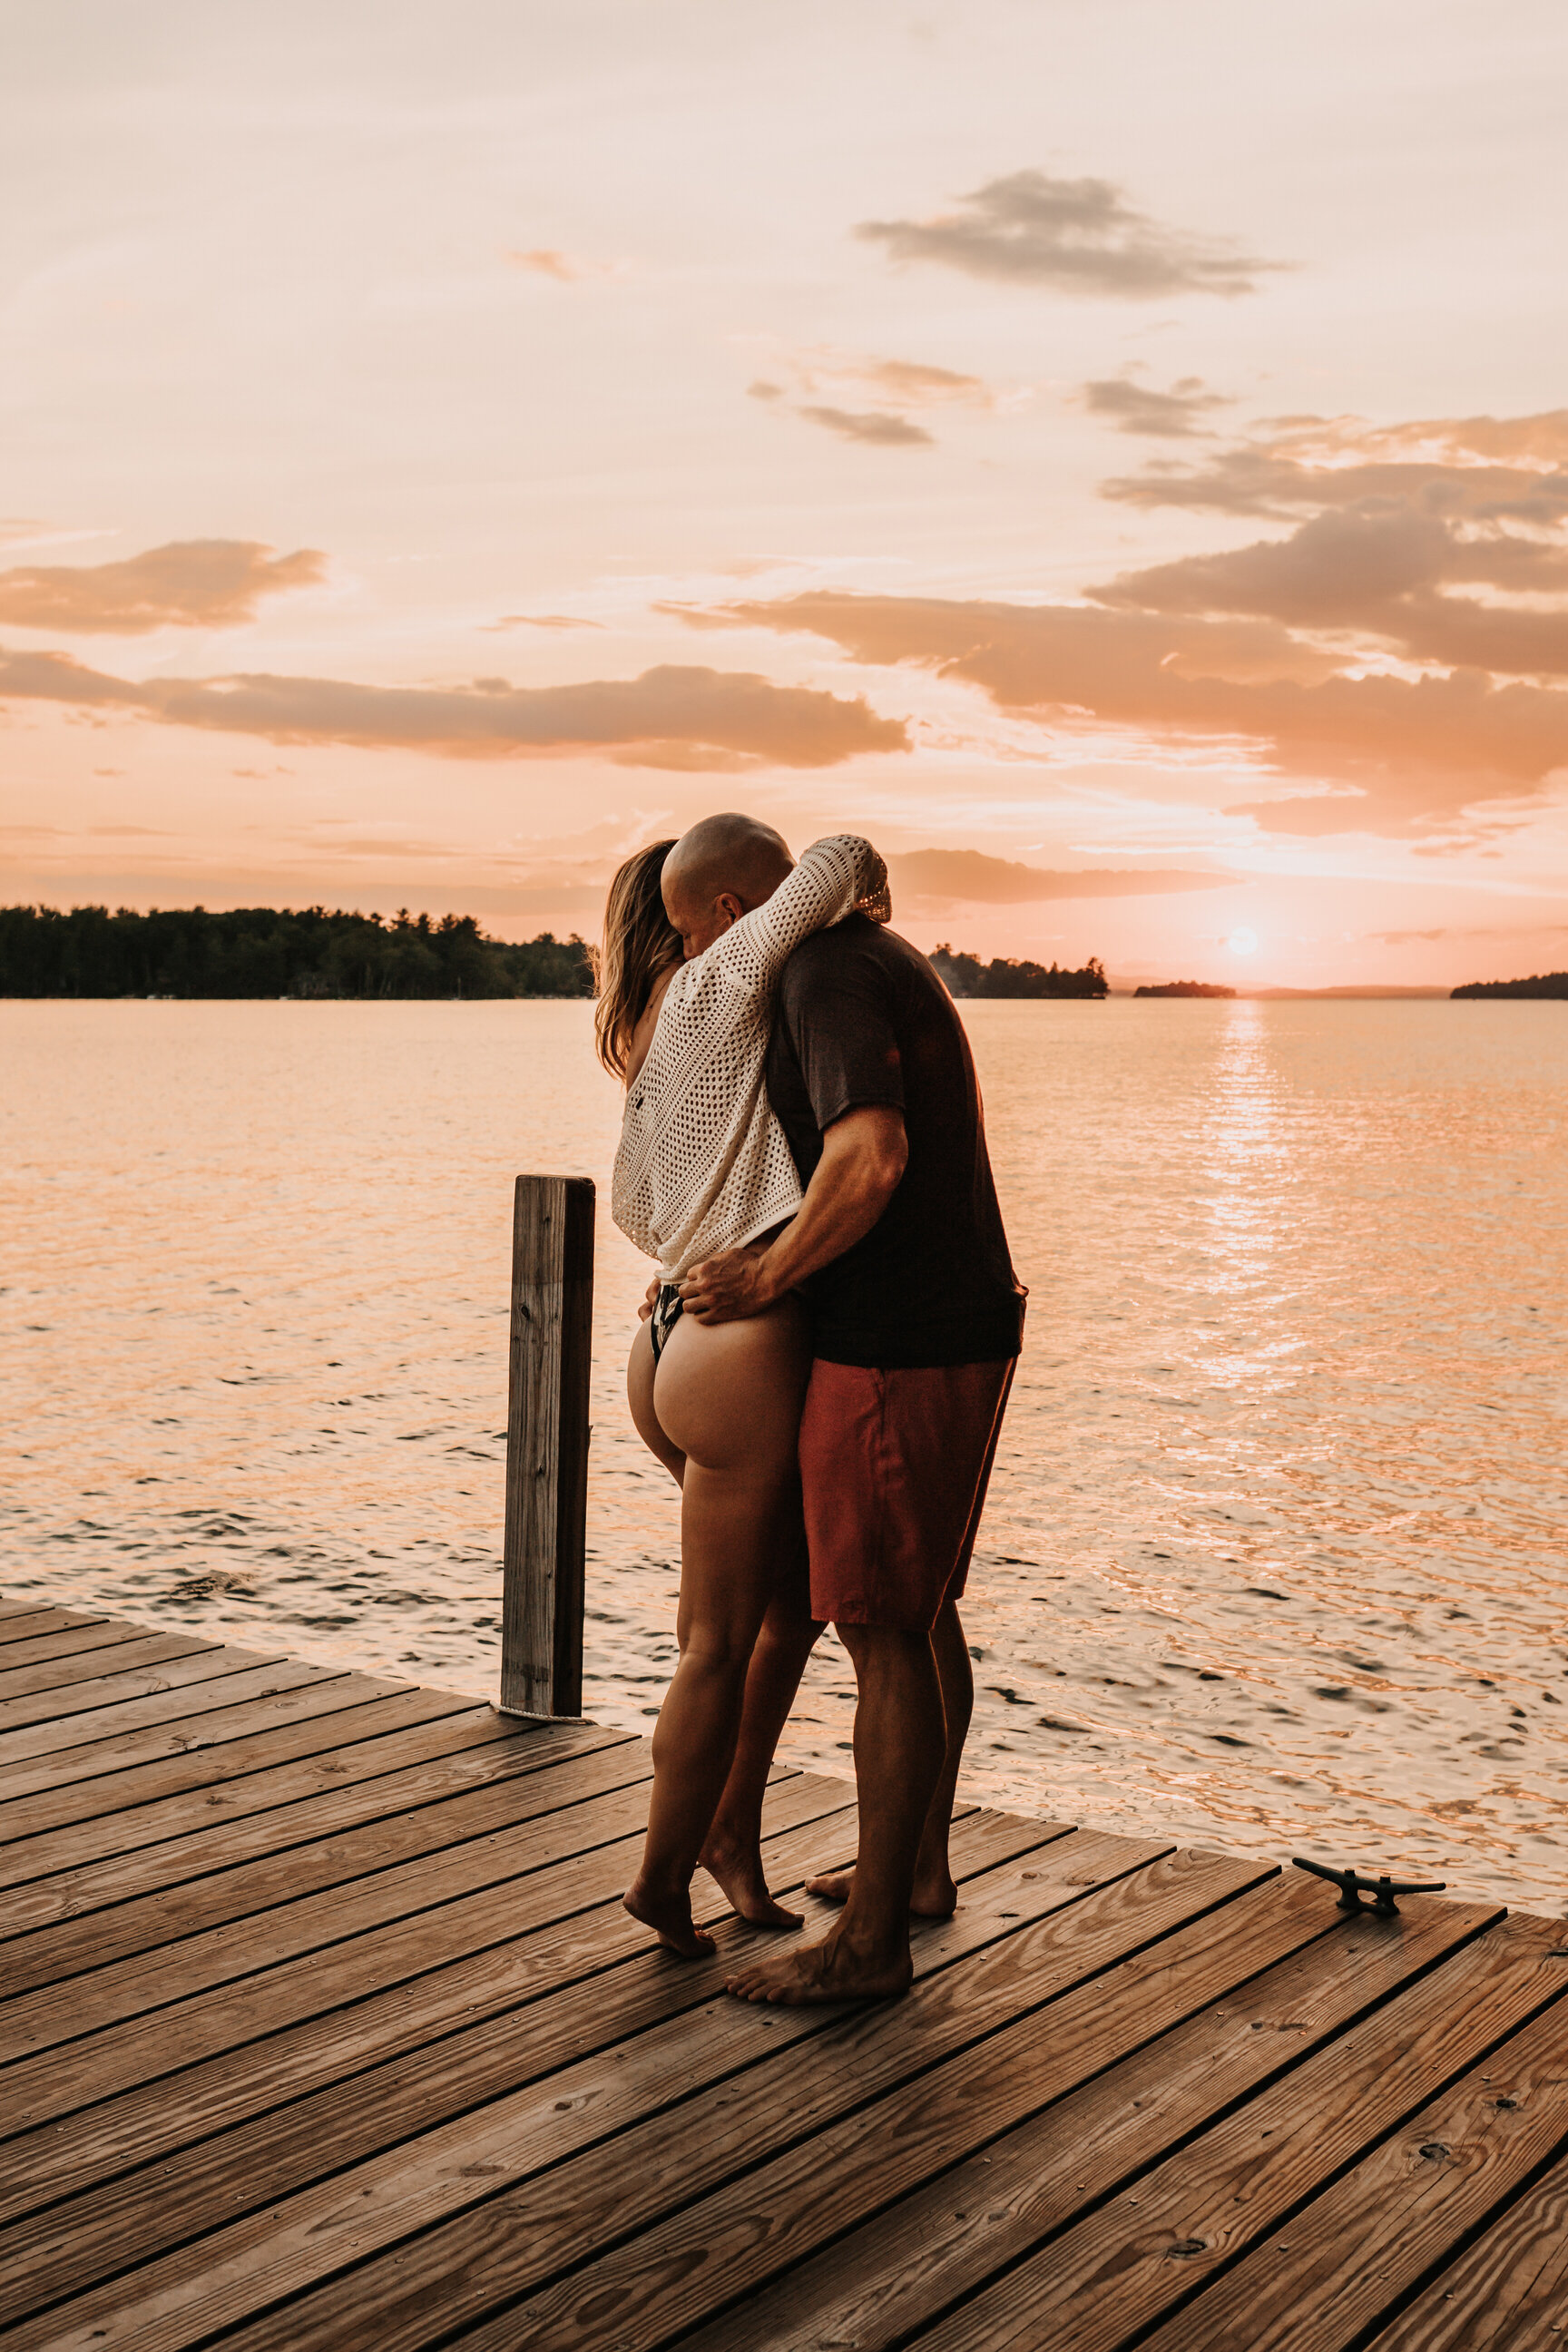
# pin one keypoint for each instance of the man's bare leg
(934, 1895)
(733, 1851)
(899, 1760)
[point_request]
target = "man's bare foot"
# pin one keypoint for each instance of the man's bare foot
(934, 1898)
(738, 1870)
(826, 1971)
(670, 1917)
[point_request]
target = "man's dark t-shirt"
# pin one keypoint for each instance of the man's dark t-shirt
(862, 1018)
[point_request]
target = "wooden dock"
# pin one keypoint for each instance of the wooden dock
(321, 2026)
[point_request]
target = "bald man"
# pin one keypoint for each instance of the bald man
(899, 1251)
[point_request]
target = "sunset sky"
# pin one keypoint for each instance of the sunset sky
(1115, 453)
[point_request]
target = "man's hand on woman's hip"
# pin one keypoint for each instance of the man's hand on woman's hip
(729, 1288)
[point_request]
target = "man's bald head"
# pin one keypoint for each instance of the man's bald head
(718, 872)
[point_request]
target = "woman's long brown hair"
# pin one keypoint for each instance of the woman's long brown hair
(641, 944)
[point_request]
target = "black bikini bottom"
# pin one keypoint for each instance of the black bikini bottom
(667, 1312)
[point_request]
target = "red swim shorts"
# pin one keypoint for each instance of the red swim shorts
(894, 1465)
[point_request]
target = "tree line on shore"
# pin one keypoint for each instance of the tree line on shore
(310, 951)
(272, 951)
(965, 975)
(1551, 984)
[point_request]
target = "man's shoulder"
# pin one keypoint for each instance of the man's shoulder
(856, 951)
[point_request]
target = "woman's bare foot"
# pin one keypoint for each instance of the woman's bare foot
(830, 1970)
(739, 1872)
(934, 1898)
(670, 1917)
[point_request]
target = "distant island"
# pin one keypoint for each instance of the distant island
(273, 951)
(1552, 985)
(965, 975)
(1186, 988)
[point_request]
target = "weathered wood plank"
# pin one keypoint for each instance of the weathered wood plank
(68, 1642)
(74, 1868)
(878, 2285)
(62, 2250)
(1135, 2259)
(547, 1445)
(22, 1622)
(1504, 2292)
(169, 1700)
(160, 1662)
(1345, 2262)
(113, 1784)
(546, 1962)
(440, 1810)
(816, 2066)
(32, 2022)
(185, 2295)
(50, 1881)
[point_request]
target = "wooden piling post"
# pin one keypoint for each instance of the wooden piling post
(547, 1445)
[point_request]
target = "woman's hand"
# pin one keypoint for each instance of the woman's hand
(729, 1288)
(651, 1300)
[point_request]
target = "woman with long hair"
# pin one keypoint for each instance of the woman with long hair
(683, 1017)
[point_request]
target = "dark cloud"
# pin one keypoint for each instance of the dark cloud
(192, 583)
(1002, 882)
(1410, 751)
(1079, 236)
(669, 717)
(876, 426)
(1160, 416)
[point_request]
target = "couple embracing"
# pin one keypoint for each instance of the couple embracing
(823, 1363)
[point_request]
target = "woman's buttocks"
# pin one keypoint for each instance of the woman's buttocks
(728, 1393)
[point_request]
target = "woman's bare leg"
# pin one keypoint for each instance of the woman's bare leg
(726, 1397)
(732, 1850)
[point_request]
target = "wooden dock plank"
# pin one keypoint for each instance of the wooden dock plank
(977, 2217)
(181, 2298)
(40, 1695)
(63, 2248)
(561, 1905)
(1342, 2265)
(315, 1718)
(321, 2024)
(73, 1746)
(542, 1971)
(78, 1642)
(60, 1675)
(702, 2258)
(430, 1808)
(22, 1622)
(32, 2022)
(84, 1865)
(797, 2070)
(1131, 2264)
(1506, 2290)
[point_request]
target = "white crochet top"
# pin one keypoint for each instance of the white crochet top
(703, 1164)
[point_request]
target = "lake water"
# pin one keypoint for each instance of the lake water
(1275, 1554)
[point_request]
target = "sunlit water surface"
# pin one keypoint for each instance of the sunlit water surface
(1274, 1557)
